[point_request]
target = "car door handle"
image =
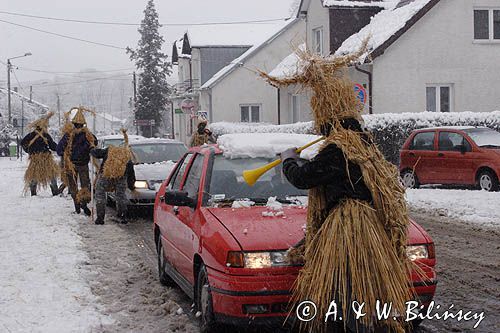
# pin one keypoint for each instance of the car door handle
(176, 210)
(440, 155)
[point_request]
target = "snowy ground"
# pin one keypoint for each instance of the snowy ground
(61, 273)
(42, 287)
(477, 207)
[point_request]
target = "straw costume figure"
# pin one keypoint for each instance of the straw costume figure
(75, 147)
(203, 135)
(115, 174)
(355, 243)
(42, 169)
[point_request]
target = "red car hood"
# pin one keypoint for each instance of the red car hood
(255, 232)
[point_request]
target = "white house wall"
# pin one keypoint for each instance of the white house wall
(439, 49)
(318, 17)
(243, 85)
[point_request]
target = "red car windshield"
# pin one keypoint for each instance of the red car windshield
(484, 137)
(227, 181)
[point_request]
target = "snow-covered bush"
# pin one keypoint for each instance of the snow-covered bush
(390, 130)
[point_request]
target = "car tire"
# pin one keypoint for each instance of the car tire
(204, 304)
(409, 179)
(487, 181)
(162, 275)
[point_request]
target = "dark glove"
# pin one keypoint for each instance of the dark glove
(289, 153)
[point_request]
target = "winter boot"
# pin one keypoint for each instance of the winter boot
(33, 189)
(86, 210)
(122, 218)
(77, 207)
(101, 212)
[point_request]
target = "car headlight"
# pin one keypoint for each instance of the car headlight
(237, 259)
(264, 259)
(141, 184)
(416, 252)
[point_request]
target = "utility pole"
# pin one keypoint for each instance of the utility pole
(9, 68)
(31, 94)
(59, 109)
(135, 103)
(8, 90)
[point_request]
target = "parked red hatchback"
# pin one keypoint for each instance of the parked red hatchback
(231, 260)
(452, 155)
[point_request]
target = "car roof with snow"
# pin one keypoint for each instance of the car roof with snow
(145, 141)
(264, 145)
(120, 136)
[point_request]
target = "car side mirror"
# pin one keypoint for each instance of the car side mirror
(178, 198)
(463, 149)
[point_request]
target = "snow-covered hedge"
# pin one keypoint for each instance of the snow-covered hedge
(390, 130)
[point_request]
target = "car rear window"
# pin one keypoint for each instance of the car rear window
(423, 141)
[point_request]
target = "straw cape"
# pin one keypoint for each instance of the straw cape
(118, 157)
(357, 250)
(42, 167)
(83, 194)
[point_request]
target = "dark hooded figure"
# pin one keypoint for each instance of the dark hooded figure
(75, 148)
(42, 169)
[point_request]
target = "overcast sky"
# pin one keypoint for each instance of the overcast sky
(51, 53)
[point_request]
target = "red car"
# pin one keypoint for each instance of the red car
(231, 261)
(452, 155)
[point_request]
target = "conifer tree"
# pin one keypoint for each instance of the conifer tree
(153, 67)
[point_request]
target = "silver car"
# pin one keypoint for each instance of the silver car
(116, 139)
(153, 159)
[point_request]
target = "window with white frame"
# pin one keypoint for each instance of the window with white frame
(295, 107)
(439, 97)
(250, 113)
(487, 24)
(318, 40)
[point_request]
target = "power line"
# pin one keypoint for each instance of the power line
(138, 24)
(64, 36)
(80, 72)
(95, 79)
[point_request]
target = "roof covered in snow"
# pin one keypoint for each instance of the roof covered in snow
(288, 66)
(245, 34)
(387, 26)
(266, 38)
(361, 3)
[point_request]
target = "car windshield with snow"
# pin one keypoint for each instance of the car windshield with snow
(227, 183)
(484, 137)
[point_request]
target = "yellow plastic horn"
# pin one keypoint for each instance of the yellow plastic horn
(251, 176)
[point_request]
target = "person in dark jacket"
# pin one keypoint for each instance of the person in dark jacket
(42, 169)
(115, 174)
(357, 218)
(75, 148)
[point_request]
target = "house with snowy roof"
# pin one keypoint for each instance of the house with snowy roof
(199, 55)
(236, 93)
(423, 55)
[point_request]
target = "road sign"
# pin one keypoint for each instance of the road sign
(144, 122)
(360, 92)
(178, 111)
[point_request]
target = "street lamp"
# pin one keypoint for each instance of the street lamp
(9, 67)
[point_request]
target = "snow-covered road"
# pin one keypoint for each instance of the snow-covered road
(476, 207)
(42, 287)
